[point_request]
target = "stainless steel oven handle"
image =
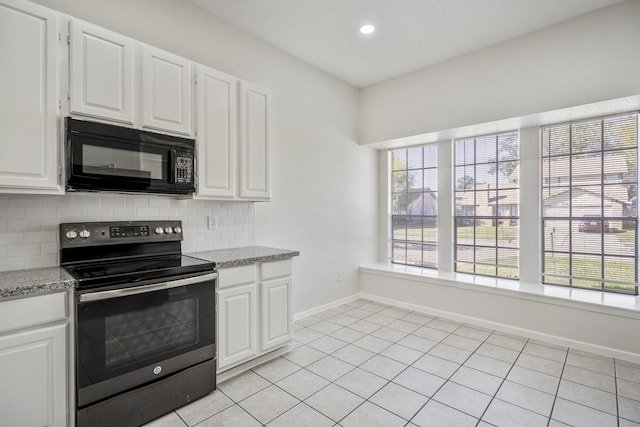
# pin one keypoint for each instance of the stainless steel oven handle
(116, 293)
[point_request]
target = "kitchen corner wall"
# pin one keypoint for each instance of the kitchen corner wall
(324, 188)
(29, 224)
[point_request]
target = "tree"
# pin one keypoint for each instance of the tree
(465, 183)
(508, 149)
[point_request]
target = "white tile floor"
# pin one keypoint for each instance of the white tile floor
(367, 364)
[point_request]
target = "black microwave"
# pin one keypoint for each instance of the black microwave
(103, 157)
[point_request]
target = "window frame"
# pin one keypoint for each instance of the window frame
(425, 219)
(476, 220)
(546, 183)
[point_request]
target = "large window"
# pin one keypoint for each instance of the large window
(414, 205)
(589, 204)
(487, 204)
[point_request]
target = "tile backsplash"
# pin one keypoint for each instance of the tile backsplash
(29, 223)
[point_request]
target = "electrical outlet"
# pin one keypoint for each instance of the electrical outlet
(212, 222)
(339, 276)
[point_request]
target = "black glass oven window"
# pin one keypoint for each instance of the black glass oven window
(158, 330)
(127, 163)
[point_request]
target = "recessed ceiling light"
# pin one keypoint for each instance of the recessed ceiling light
(367, 29)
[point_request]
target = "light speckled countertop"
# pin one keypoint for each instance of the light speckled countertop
(235, 257)
(39, 280)
(34, 281)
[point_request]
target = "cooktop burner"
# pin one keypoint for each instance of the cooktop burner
(111, 253)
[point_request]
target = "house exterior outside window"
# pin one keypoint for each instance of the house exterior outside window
(414, 205)
(589, 204)
(487, 199)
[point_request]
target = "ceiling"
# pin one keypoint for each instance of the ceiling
(410, 34)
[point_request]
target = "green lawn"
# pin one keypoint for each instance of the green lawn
(615, 270)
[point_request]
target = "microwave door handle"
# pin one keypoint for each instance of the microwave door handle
(116, 293)
(171, 165)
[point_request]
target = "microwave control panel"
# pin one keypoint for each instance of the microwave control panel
(184, 170)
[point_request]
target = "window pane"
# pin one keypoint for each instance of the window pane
(399, 159)
(464, 254)
(486, 149)
(508, 147)
(487, 205)
(586, 136)
(464, 177)
(464, 151)
(620, 269)
(414, 228)
(431, 179)
(430, 156)
(399, 203)
(414, 180)
(413, 200)
(399, 230)
(430, 230)
(414, 158)
(399, 252)
(399, 181)
(589, 203)
(429, 203)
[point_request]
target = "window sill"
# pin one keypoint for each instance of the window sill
(603, 302)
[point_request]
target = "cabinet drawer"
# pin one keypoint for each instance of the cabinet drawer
(271, 270)
(31, 311)
(234, 276)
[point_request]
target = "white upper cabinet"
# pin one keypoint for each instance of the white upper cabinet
(30, 51)
(102, 72)
(216, 103)
(166, 91)
(255, 140)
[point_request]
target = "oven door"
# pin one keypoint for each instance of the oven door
(131, 336)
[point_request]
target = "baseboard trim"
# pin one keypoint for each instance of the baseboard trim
(321, 308)
(501, 327)
(237, 370)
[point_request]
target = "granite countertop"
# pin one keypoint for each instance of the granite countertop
(243, 256)
(39, 280)
(33, 281)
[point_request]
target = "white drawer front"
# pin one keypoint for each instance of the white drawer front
(235, 276)
(274, 269)
(31, 311)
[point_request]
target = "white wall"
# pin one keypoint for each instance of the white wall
(588, 59)
(575, 69)
(324, 193)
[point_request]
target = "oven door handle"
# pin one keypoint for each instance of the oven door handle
(116, 293)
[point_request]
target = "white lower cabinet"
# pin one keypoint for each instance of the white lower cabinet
(237, 324)
(252, 311)
(275, 296)
(33, 364)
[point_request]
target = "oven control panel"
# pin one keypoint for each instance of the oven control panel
(118, 232)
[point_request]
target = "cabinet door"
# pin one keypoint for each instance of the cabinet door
(29, 101)
(237, 324)
(216, 95)
(33, 368)
(166, 91)
(101, 73)
(277, 321)
(255, 140)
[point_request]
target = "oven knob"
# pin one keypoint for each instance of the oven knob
(168, 230)
(177, 230)
(71, 234)
(159, 230)
(85, 234)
